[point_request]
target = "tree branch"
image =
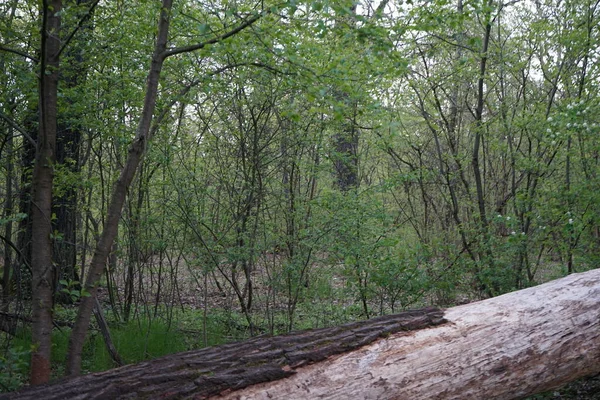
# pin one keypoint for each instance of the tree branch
(78, 27)
(195, 82)
(15, 126)
(18, 52)
(198, 46)
(18, 251)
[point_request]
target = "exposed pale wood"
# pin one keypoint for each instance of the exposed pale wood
(507, 347)
(210, 371)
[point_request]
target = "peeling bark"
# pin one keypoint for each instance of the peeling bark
(214, 370)
(507, 347)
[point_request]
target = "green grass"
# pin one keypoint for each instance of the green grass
(138, 340)
(135, 341)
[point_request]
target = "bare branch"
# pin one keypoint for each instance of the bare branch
(16, 126)
(198, 46)
(18, 52)
(78, 27)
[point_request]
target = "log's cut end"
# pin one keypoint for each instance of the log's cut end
(506, 347)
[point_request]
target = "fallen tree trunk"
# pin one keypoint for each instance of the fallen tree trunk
(507, 347)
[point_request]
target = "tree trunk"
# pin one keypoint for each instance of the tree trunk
(507, 347)
(27, 161)
(104, 330)
(134, 157)
(68, 141)
(8, 227)
(346, 140)
(41, 215)
(346, 158)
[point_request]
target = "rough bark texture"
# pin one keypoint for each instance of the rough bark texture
(507, 347)
(201, 373)
(41, 215)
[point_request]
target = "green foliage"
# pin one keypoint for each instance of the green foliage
(73, 289)
(135, 341)
(235, 209)
(13, 368)
(60, 342)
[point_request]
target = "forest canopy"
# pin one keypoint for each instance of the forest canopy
(221, 169)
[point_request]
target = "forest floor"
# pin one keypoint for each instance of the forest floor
(582, 389)
(199, 294)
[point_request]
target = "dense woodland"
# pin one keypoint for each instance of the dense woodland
(183, 173)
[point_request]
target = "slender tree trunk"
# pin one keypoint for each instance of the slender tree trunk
(10, 172)
(27, 161)
(135, 153)
(105, 331)
(346, 140)
(43, 174)
(479, 127)
(8, 228)
(134, 157)
(486, 257)
(65, 210)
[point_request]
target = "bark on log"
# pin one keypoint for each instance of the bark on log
(202, 373)
(507, 347)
